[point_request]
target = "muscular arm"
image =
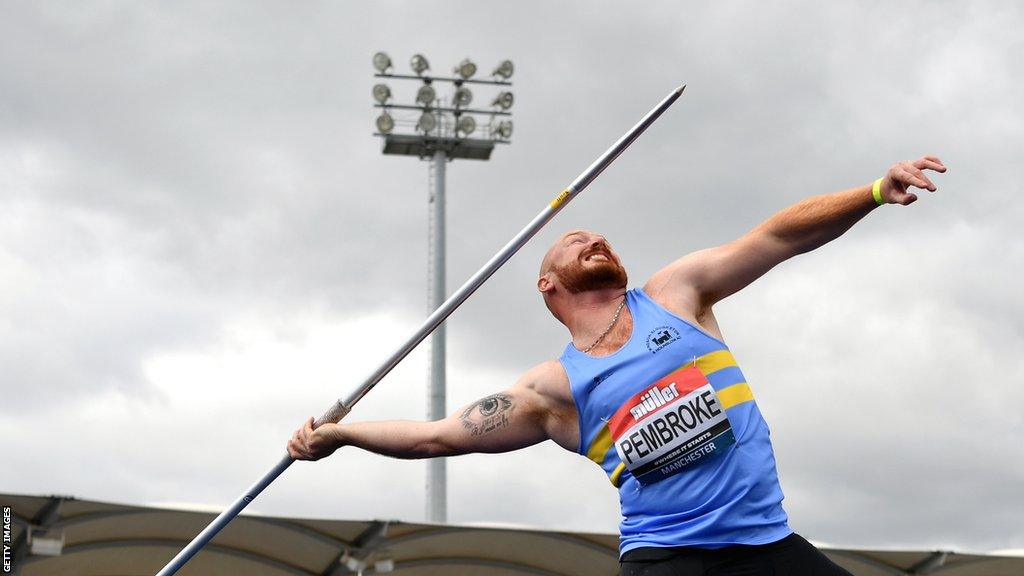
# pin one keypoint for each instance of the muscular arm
(698, 280)
(519, 417)
(498, 423)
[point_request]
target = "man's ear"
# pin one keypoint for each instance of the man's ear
(544, 284)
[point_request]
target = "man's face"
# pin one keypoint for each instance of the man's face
(584, 261)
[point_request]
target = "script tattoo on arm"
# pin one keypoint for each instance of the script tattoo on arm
(488, 414)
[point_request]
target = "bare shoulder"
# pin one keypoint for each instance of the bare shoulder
(677, 288)
(546, 387)
(548, 379)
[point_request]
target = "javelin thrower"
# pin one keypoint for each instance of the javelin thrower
(648, 390)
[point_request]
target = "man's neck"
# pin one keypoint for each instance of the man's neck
(588, 314)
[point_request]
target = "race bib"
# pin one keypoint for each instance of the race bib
(672, 424)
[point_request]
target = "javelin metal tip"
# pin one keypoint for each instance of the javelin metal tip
(680, 89)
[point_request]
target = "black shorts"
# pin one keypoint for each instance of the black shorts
(791, 556)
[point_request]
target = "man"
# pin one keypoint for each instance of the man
(650, 392)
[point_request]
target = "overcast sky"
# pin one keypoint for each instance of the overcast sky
(201, 245)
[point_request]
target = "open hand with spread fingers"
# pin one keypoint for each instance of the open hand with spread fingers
(894, 188)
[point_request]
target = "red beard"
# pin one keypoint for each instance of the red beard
(599, 275)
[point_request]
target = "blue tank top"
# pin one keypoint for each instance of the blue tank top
(672, 421)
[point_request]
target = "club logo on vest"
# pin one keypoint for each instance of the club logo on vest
(660, 337)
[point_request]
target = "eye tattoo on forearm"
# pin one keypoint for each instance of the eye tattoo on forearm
(488, 414)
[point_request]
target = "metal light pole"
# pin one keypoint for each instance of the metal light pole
(437, 397)
(440, 134)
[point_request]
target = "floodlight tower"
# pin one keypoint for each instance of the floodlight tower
(440, 132)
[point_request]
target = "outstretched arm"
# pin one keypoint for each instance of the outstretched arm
(707, 276)
(510, 420)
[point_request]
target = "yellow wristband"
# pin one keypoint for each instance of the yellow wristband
(876, 191)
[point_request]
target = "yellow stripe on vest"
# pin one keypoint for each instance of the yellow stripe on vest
(715, 361)
(599, 450)
(599, 447)
(735, 394)
(617, 473)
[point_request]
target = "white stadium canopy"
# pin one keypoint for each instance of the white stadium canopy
(61, 536)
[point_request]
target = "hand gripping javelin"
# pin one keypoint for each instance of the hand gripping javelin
(344, 405)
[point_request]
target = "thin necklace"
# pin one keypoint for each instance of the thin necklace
(610, 324)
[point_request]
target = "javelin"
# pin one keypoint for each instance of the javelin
(344, 405)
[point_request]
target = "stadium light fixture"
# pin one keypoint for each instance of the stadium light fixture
(466, 69)
(427, 122)
(504, 129)
(381, 93)
(381, 62)
(425, 95)
(385, 123)
(440, 118)
(504, 70)
(462, 98)
(503, 101)
(466, 125)
(419, 64)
